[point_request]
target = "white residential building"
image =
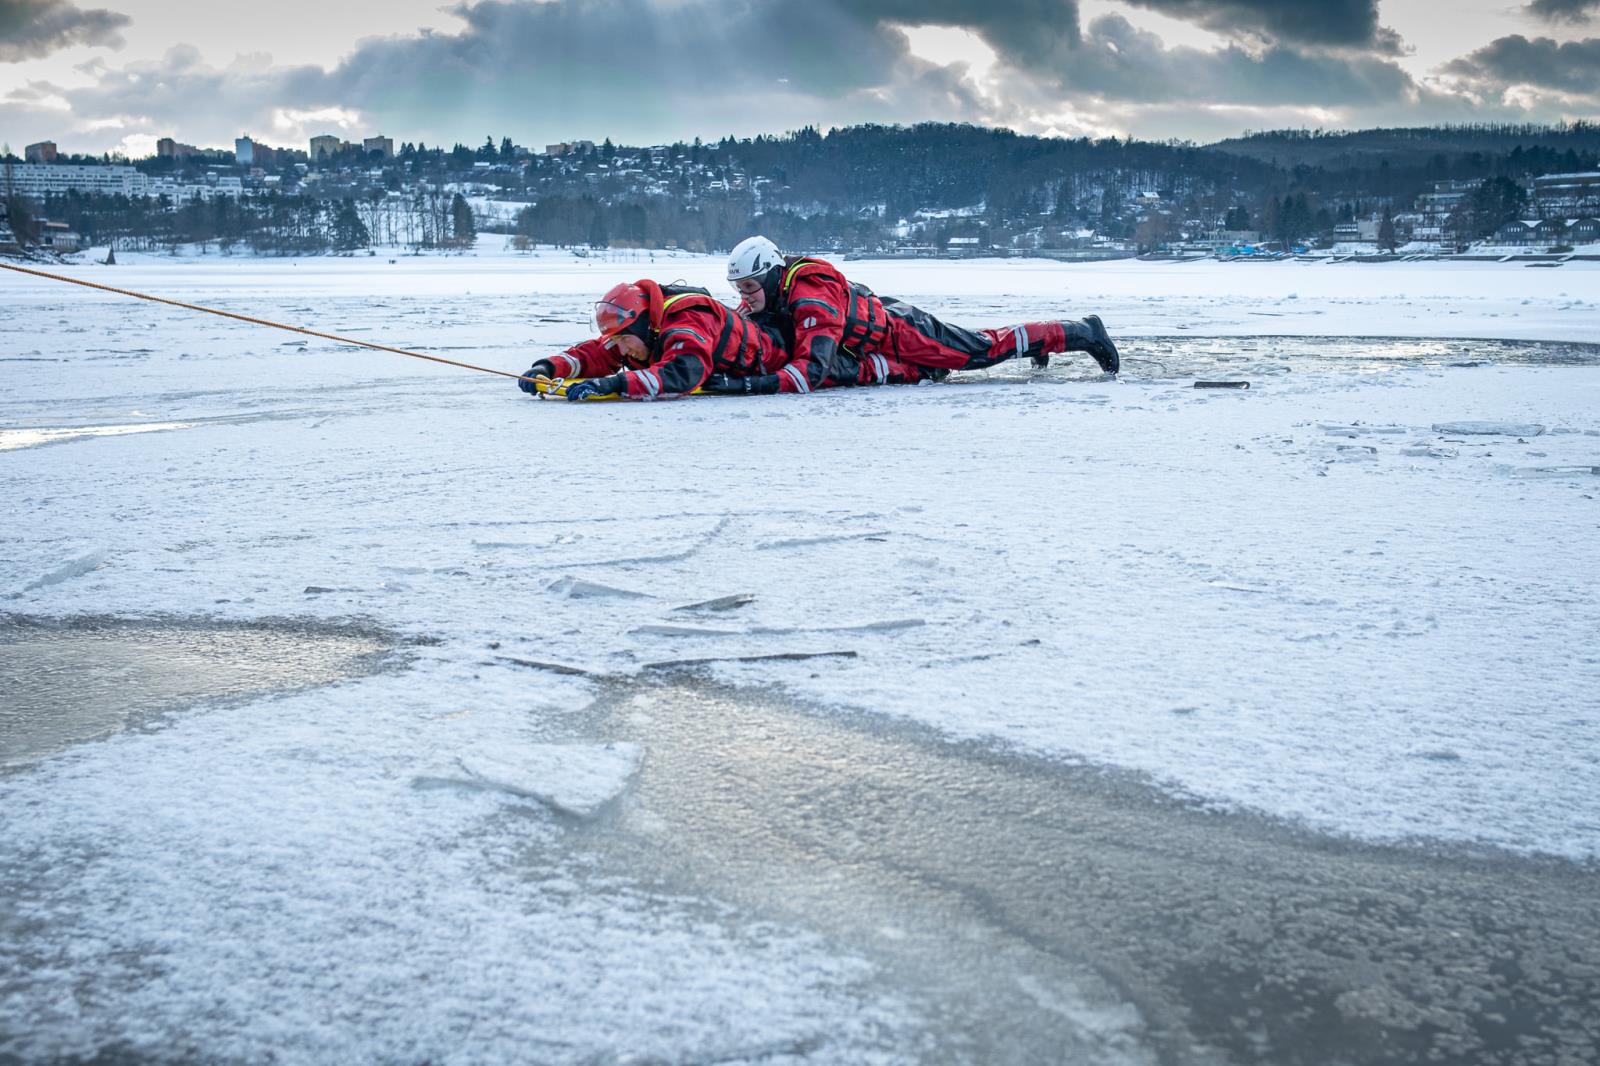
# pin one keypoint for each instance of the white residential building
(181, 193)
(37, 179)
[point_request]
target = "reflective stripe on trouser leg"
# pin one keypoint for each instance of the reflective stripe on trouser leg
(799, 379)
(1029, 338)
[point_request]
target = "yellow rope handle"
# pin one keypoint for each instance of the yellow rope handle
(260, 321)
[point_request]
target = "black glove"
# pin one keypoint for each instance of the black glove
(543, 366)
(728, 385)
(596, 387)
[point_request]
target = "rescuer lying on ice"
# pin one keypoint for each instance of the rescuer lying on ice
(823, 316)
(660, 341)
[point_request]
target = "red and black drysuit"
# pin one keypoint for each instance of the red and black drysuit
(825, 320)
(692, 335)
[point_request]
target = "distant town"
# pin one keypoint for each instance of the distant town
(924, 191)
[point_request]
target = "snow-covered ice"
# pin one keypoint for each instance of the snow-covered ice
(576, 779)
(1321, 598)
(272, 885)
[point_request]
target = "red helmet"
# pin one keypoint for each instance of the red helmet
(618, 309)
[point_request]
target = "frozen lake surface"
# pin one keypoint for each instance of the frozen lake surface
(1351, 608)
(92, 676)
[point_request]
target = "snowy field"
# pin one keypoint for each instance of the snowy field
(1326, 599)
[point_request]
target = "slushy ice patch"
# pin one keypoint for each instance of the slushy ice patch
(66, 682)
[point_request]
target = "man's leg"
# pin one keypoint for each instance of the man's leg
(920, 338)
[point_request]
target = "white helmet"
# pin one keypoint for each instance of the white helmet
(752, 258)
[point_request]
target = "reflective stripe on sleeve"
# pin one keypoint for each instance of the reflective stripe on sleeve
(799, 379)
(825, 305)
(686, 331)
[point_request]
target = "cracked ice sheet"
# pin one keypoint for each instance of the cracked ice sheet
(265, 883)
(1411, 642)
(573, 779)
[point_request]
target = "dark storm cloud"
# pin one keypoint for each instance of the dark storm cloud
(33, 28)
(1120, 62)
(1324, 23)
(1570, 67)
(1026, 32)
(1573, 11)
(624, 68)
(649, 65)
(622, 64)
(644, 71)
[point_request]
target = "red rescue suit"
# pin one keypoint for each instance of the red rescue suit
(826, 314)
(692, 336)
(821, 315)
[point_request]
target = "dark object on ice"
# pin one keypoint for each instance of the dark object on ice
(312, 590)
(554, 668)
(111, 258)
(1222, 384)
(782, 656)
(721, 603)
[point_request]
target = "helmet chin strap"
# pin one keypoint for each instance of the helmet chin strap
(642, 329)
(769, 286)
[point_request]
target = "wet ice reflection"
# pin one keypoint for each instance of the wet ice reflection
(12, 439)
(62, 685)
(1062, 914)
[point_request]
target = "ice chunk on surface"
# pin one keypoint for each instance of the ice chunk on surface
(576, 779)
(1490, 429)
(575, 588)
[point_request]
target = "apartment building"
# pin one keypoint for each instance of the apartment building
(36, 179)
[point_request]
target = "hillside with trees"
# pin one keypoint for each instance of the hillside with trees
(866, 188)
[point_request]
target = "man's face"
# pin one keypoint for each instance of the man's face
(752, 297)
(634, 352)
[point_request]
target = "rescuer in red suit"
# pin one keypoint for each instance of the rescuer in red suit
(822, 316)
(657, 342)
(660, 341)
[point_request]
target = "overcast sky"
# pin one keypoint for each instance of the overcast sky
(117, 77)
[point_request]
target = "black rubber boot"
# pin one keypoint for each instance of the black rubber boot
(1090, 336)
